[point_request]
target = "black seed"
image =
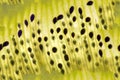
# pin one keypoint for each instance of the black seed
(73, 34)
(80, 10)
(100, 44)
(89, 58)
(26, 61)
(32, 17)
(29, 49)
(91, 34)
(60, 17)
(70, 23)
(60, 37)
(33, 35)
(74, 42)
(3, 57)
(12, 62)
(103, 21)
(3, 77)
(82, 24)
(119, 69)
(62, 71)
(97, 25)
(34, 61)
(39, 39)
(54, 20)
(82, 31)
(1, 46)
(71, 9)
(116, 57)
(32, 55)
(38, 31)
(76, 49)
(45, 38)
(66, 57)
(107, 39)
(41, 47)
(63, 46)
(60, 65)
(100, 53)
(51, 30)
(26, 22)
(21, 42)
(19, 33)
(118, 47)
(116, 75)
(93, 44)
(65, 31)
(110, 46)
(48, 53)
(17, 72)
(58, 30)
(87, 19)
(74, 18)
(53, 37)
(105, 27)
(64, 52)
(89, 3)
(54, 49)
(68, 64)
(51, 62)
(68, 15)
(16, 51)
(98, 37)
(100, 10)
(23, 54)
(18, 25)
(6, 43)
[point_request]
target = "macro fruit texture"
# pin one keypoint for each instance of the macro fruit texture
(59, 39)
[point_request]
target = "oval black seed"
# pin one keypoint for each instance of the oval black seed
(82, 31)
(29, 49)
(6, 43)
(32, 55)
(32, 17)
(54, 49)
(54, 20)
(3, 57)
(41, 47)
(12, 62)
(107, 39)
(48, 53)
(60, 37)
(60, 65)
(34, 61)
(89, 58)
(103, 21)
(89, 3)
(58, 30)
(119, 69)
(73, 34)
(65, 31)
(19, 33)
(51, 62)
(66, 57)
(18, 25)
(97, 26)
(100, 53)
(45, 38)
(98, 37)
(80, 10)
(71, 9)
(51, 31)
(74, 18)
(38, 31)
(26, 22)
(91, 34)
(118, 47)
(33, 35)
(100, 44)
(110, 46)
(82, 24)
(63, 46)
(39, 39)
(60, 17)
(1, 46)
(16, 51)
(100, 10)
(87, 19)
(70, 23)
(116, 57)
(17, 72)
(76, 49)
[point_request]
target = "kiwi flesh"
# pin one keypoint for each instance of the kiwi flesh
(65, 39)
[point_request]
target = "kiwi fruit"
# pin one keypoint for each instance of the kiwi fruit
(59, 39)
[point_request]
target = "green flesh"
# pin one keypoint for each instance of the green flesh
(84, 58)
